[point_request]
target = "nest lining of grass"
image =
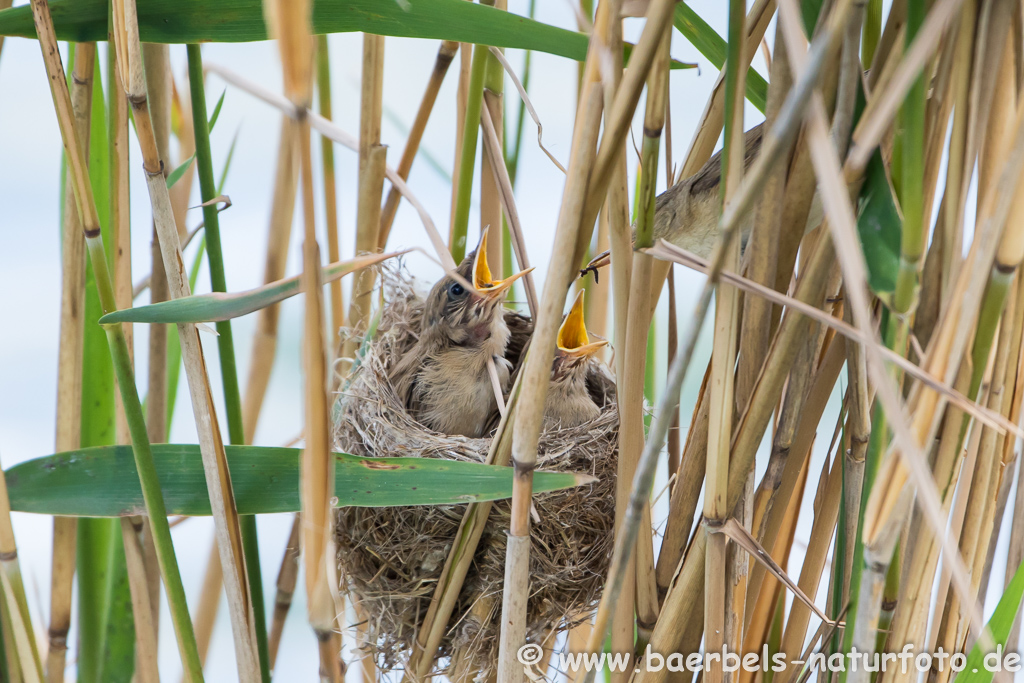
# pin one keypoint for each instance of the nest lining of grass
(391, 558)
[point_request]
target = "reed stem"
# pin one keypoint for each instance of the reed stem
(119, 348)
(225, 337)
(323, 89)
(467, 161)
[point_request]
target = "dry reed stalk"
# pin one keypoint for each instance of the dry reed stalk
(160, 83)
(287, 577)
(536, 375)
(211, 446)
(683, 501)
(826, 513)
(159, 79)
(143, 613)
(619, 115)
(492, 152)
(141, 577)
(69, 370)
(371, 183)
(880, 536)
(185, 132)
(756, 630)
(666, 251)
(676, 630)
(757, 312)
(282, 209)
(445, 55)
(986, 481)
(318, 464)
(780, 479)
(208, 606)
(722, 628)
(709, 129)
(323, 89)
(673, 445)
(290, 23)
(12, 591)
(634, 360)
(949, 337)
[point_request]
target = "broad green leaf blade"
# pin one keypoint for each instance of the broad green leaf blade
(103, 482)
(214, 307)
(999, 626)
(879, 225)
(713, 46)
(201, 21)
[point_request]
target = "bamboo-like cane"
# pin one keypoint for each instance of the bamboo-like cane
(282, 209)
(139, 583)
(720, 623)
(160, 86)
(631, 379)
(12, 591)
(69, 371)
(291, 24)
(879, 534)
(214, 461)
(142, 610)
(757, 313)
(323, 90)
(536, 375)
(225, 340)
(287, 577)
(445, 55)
(371, 178)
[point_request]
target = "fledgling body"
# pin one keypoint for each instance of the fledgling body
(687, 213)
(568, 403)
(444, 379)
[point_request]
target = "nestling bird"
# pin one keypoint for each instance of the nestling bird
(443, 379)
(568, 403)
(687, 213)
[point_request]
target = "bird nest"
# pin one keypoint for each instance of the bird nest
(391, 558)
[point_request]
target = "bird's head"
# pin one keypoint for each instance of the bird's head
(463, 308)
(574, 347)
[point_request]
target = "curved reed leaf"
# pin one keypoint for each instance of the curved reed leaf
(978, 668)
(199, 21)
(102, 482)
(217, 306)
(707, 41)
(879, 224)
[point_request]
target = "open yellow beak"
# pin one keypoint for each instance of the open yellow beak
(573, 339)
(483, 282)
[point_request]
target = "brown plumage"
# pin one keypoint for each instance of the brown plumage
(444, 379)
(569, 403)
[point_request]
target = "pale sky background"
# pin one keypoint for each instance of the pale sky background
(30, 263)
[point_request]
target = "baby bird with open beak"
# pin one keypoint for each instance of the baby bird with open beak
(568, 403)
(444, 379)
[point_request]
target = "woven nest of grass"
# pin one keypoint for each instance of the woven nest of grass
(391, 558)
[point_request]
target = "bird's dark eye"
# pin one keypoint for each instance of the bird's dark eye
(456, 290)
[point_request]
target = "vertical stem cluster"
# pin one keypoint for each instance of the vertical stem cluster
(225, 338)
(86, 207)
